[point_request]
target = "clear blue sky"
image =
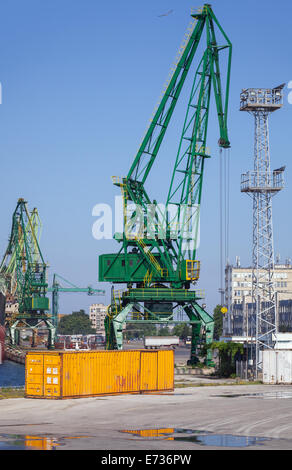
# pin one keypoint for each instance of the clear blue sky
(80, 79)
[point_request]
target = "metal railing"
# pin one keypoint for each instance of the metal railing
(262, 181)
(157, 293)
(261, 97)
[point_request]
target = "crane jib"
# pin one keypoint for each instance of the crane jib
(157, 261)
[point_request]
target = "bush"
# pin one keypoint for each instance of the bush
(228, 354)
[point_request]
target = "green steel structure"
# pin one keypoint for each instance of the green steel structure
(23, 271)
(157, 259)
(57, 287)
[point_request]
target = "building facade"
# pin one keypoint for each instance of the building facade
(97, 314)
(238, 298)
(11, 307)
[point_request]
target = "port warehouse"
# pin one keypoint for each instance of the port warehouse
(238, 297)
(243, 318)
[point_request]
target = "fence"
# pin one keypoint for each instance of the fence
(244, 370)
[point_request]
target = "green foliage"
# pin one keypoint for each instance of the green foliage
(218, 322)
(137, 330)
(78, 323)
(11, 392)
(164, 331)
(182, 330)
(199, 365)
(228, 353)
(228, 348)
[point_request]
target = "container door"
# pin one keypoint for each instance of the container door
(52, 375)
(149, 370)
(34, 374)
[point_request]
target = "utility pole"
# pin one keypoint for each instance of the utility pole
(261, 184)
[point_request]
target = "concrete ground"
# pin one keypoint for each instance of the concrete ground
(202, 417)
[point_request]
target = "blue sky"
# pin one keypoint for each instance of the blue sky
(80, 79)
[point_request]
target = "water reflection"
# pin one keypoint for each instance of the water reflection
(12, 374)
(32, 442)
(198, 437)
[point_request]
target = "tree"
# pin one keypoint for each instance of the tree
(75, 323)
(164, 331)
(218, 322)
(138, 330)
(229, 353)
(182, 330)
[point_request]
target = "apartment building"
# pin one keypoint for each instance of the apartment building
(11, 306)
(238, 296)
(97, 314)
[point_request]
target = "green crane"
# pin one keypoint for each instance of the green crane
(157, 259)
(23, 271)
(57, 287)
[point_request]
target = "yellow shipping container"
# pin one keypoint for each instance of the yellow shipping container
(73, 374)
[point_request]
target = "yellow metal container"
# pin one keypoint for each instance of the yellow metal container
(72, 374)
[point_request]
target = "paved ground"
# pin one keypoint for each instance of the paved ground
(228, 416)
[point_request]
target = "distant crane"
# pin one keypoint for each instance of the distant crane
(23, 272)
(57, 287)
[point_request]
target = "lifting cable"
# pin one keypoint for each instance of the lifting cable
(224, 209)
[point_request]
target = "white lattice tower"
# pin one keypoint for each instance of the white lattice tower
(261, 184)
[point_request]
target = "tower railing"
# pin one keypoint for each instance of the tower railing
(266, 98)
(270, 181)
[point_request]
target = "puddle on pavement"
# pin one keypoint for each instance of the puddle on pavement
(198, 437)
(264, 395)
(28, 442)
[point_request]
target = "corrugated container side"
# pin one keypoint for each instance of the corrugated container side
(269, 367)
(165, 370)
(284, 366)
(65, 374)
(277, 367)
(88, 374)
(149, 371)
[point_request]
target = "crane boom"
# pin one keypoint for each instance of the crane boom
(157, 259)
(57, 287)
